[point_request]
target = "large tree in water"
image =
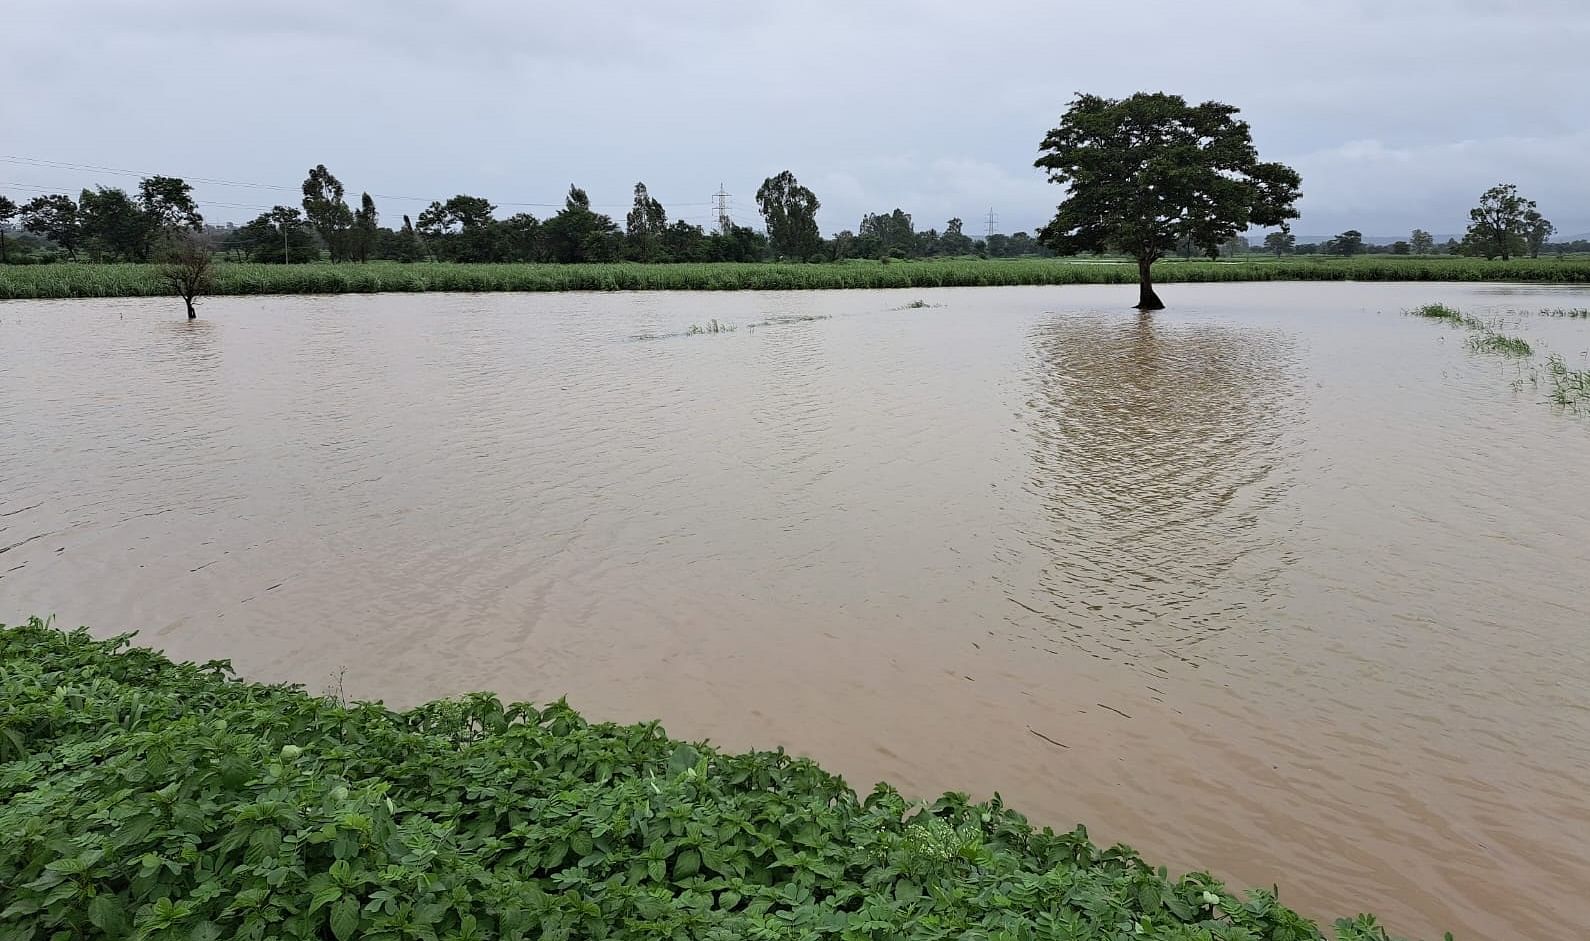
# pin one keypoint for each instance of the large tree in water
(1146, 172)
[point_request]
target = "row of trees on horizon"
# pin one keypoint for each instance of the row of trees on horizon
(1503, 225)
(108, 224)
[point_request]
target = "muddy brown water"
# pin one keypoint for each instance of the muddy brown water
(1298, 582)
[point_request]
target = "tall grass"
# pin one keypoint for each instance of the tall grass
(233, 278)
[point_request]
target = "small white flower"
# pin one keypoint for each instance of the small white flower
(1210, 898)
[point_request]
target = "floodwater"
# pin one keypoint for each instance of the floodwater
(1278, 582)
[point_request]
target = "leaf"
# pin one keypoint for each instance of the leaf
(345, 919)
(20, 907)
(687, 864)
(1175, 905)
(683, 759)
(107, 913)
(71, 865)
(325, 897)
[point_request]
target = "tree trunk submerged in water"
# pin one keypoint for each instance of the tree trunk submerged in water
(1146, 298)
(192, 314)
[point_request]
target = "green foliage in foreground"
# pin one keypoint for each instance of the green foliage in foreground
(145, 799)
(131, 280)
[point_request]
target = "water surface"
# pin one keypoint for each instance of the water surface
(1278, 582)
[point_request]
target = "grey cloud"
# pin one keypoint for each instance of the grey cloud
(1397, 114)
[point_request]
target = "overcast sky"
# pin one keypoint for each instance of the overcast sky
(1398, 113)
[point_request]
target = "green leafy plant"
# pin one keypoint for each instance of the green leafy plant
(145, 799)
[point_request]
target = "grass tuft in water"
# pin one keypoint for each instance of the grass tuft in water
(712, 326)
(1490, 341)
(1569, 387)
(1438, 312)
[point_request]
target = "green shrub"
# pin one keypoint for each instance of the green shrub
(145, 799)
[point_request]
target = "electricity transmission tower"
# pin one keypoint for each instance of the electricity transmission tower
(993, 222)
(720, 201)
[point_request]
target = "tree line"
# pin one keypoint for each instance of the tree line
(1503, 225)
(466, 228)
(107, 224)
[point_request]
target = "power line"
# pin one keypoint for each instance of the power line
(705, 219)
(993, 222)
(35, 187)
(24, 161)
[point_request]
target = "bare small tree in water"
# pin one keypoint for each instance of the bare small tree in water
(187, 269)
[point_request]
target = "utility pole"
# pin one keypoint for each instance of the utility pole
(720, 200)
(993, 222)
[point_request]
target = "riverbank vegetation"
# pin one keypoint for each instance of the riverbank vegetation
(67, 280)
(146, 799)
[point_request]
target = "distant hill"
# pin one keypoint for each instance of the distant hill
(1440, 238)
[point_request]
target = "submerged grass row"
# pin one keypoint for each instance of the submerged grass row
(131, 280)
(1566, 386)
(145, 799)
(1484, 337)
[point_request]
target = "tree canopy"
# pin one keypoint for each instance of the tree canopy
(790, 211)
(8, 211)
(279, 236)
(1145, 172)
(55, 217)
(645, 226)
(327, 212)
